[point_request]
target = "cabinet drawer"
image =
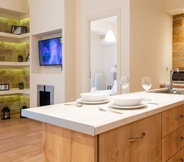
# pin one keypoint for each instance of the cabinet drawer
(178, 157)
(172, 119)
(136, 142)
(172, 143)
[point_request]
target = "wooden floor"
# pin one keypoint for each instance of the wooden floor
(20, 140)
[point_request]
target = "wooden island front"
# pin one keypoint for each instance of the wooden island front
(151, 134)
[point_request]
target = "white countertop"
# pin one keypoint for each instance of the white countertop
(89, 120)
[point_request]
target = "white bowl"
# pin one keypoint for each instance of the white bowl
(94, 96)
(127, 100)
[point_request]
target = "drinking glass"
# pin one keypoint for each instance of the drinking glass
(146, 84)
(124, 82)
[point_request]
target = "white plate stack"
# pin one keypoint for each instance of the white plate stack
(94, 98)
(128, 101)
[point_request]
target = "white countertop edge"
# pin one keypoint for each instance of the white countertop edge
(91, 130)
(115, 121)
(87, 129)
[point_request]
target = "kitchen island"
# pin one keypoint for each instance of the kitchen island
(153, 133)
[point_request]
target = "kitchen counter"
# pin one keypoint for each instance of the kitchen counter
(89, 120)
(85, 134)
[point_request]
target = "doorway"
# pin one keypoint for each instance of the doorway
(104, 55)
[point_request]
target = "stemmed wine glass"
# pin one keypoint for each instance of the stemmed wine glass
(124, 82)
(146, 83)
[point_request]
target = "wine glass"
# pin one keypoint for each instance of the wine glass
(124, 82)
(146, 84)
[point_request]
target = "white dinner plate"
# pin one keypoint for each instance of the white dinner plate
(80, 100)
(112, 105)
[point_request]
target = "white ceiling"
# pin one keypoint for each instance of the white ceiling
(112, 20)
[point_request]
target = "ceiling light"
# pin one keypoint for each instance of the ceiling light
(110, 37)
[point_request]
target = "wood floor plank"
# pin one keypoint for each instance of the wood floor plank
(20, 140)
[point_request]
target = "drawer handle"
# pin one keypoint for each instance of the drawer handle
(178, 118)
(137, 138)
(181, 139)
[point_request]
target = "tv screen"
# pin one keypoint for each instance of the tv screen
(50, 51)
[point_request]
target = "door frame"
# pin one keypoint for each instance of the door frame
(117, 13)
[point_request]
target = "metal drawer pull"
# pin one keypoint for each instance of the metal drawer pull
(181, 160)
(181, 139)
(137, 138)
(178, 118)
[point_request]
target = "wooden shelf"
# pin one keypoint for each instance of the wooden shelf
(14, 64)
(15, 91)
(18, 15)
(10, 35)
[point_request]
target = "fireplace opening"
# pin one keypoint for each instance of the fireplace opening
(45, 95)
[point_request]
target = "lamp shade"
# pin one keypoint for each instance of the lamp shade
(110, 37)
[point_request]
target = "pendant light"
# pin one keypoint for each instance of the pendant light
(110, 37)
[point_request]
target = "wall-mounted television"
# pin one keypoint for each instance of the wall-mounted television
(50, 51)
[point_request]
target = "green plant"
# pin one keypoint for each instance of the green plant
(21, 83)
(20, 56)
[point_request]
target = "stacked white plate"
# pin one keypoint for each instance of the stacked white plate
(128, 101)
(94, 98)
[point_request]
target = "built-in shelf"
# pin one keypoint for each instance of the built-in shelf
(13, 14)
(15, 91)
(14, 64)
(10, 35)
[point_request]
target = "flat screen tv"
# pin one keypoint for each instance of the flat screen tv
(50, 51)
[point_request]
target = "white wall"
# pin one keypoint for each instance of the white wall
(150, 42)
(87, 10)
(103, 56)
(50, 80)
(146, 36)
(43, 25)
(46, 15)
(102, 59)
(47, 19)
(69, 50)
(96, 57)
(110, 58)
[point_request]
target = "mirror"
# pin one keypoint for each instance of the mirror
(103, 55)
